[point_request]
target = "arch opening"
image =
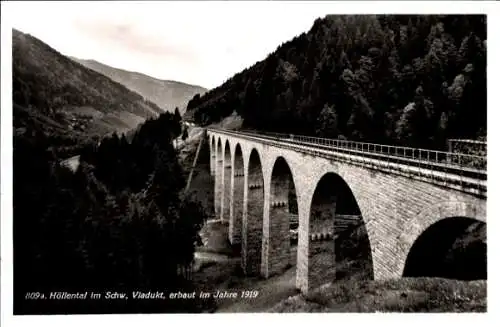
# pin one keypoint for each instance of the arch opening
(218, 179)
(283, 221)
(453, 247)
(339, 246)
(212, 155)
(252, 225)
(226, 184)
(236, 219)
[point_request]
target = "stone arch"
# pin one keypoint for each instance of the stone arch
(276, 254)
(337, 232)
(226, 183)
(437, 228)
(218, 178)
(251, 245)
(238, 184)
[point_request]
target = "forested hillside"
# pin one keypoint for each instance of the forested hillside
(405, 79)
(166, 94)
(67, 101)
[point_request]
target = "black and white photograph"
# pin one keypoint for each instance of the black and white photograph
(244, 157)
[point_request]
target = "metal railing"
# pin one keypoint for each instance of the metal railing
(465, 166)
(464, 161)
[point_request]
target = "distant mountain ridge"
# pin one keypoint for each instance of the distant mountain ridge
(57, 96)
(166, 94)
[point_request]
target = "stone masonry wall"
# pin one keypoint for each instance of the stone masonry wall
(235, 224)
(226, 205)
(252, 226)
(395, 208)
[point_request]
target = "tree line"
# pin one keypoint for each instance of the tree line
(416, 80)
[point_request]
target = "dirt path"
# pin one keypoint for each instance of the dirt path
(217, 269)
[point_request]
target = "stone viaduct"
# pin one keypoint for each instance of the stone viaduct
(399, 193)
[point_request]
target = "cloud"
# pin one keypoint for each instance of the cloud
(202, 43)
(130, 38)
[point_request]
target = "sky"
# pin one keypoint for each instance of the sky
(195, 42)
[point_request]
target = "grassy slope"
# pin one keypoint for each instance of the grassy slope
(233, 122)
(403, 295)
(166, 94)
(201, 187)
(48, 84)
